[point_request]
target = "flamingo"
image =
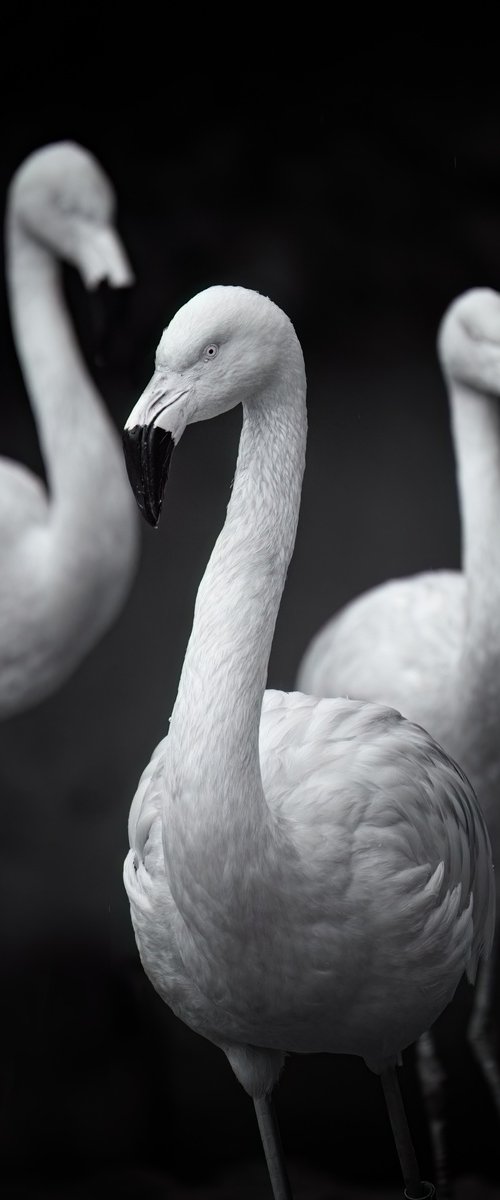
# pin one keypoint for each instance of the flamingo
(303, 874)
(64, 570)
(430, 645)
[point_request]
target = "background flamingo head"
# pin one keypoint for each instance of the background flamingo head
(469, 340)
(63, 198)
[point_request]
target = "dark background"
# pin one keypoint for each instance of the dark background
(362, 200)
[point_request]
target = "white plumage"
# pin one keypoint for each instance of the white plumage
(430, 645)
(67, 554)
(303, 874)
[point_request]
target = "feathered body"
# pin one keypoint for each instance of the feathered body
(360, 886)
(304, 874)
(68, 550)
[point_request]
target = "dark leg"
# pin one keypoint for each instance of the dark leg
(481, 1033)
(273, 1150)
(415, 1187)
(432, 1080)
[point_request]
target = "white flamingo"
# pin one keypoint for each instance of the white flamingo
(303, 874)
(430, 645)
(67, 554)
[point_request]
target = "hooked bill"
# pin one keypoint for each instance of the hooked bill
(148, 450)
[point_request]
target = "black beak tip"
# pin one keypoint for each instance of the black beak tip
(150, 515)
(148, 451)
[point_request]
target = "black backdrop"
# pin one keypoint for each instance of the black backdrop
(361, 203)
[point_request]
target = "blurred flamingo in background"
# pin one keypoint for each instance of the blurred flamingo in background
(430, 645)
(67, 551)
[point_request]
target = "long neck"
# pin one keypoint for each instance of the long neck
(218, 814)
(476, 431)
(76, 436)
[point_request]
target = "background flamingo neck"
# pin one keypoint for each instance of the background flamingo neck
(476, 432)
(72, 426)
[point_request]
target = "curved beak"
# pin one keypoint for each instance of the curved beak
(148, 445)
(148, 450)
(102, 258)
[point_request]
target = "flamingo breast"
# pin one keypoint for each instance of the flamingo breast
(375, 876)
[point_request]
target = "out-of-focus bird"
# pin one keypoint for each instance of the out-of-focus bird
(68, 550)
(303, 875)
(430, 645)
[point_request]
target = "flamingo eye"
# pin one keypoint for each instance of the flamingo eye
(210, 351)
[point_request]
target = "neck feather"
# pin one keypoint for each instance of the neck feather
(76, 436)
(215, 788)
(476, 432)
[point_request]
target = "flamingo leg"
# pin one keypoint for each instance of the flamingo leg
(415, 1188)
(432, 1080)
(273, 1150)
(481, 1033)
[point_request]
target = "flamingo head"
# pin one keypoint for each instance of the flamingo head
(469, 340)
(226, 346)
(62, 198)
